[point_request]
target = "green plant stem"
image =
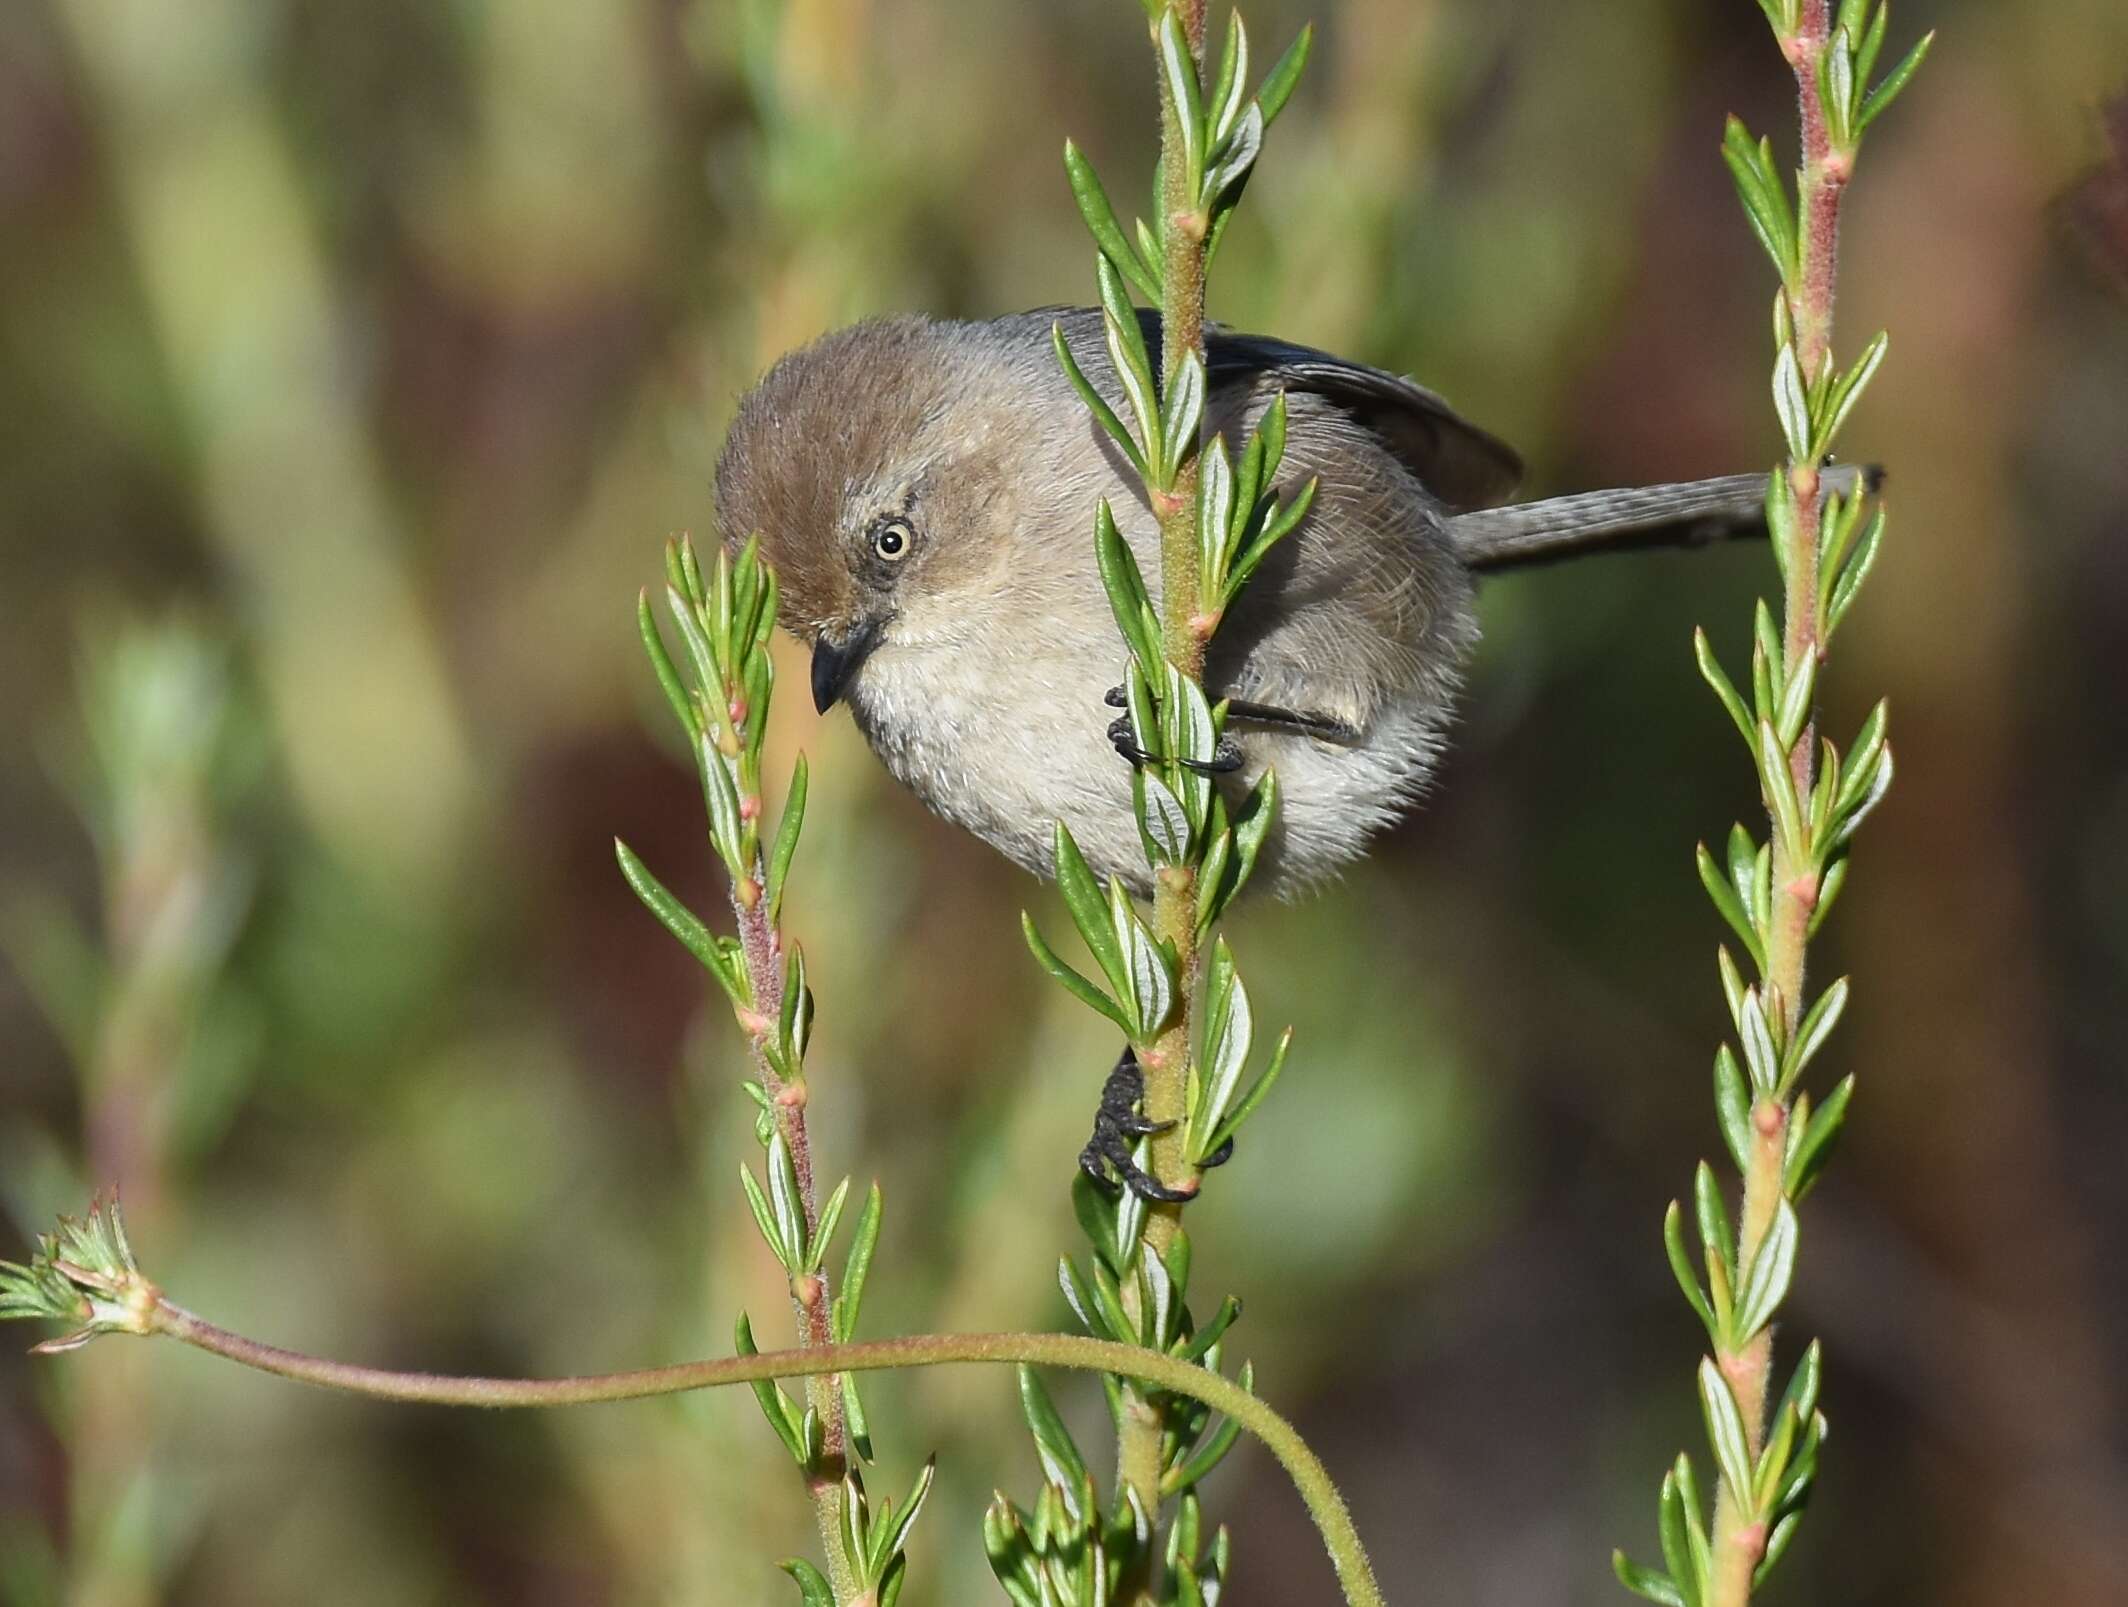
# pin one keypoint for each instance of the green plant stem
(1810, 303)
(1310, 1477)
(1185, 635)
(762, 944)
(1738, 1541)
(1165, 1063)
(1825, 176)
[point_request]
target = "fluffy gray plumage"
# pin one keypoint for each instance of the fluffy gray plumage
(926, 492)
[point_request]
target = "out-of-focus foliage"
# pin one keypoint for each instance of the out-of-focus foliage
(390, 340)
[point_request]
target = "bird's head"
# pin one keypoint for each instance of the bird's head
(872, 466)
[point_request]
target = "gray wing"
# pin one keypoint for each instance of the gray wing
(1462, 465)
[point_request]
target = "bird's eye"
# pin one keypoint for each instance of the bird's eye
(892, 540)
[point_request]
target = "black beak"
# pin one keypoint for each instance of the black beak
(835, 664)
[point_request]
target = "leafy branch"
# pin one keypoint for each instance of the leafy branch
(1188, 1022)
(724, 617)
(85, 1275)
(1775, 894)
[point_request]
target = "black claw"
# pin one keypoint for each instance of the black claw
(1327, 727)
(1116, 697)
(1226, 757)
(1107, 1155)
(1138, 1126)
(1146, 1186)
(1218, 1157)
(1125, 738)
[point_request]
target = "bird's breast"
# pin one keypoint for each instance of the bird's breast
(1003, 735)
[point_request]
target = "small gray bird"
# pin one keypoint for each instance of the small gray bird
(926, 492)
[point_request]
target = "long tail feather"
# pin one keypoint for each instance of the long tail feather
(1690, 514)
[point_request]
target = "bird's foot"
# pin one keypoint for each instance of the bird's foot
(1226, 756)
(1118, 1124)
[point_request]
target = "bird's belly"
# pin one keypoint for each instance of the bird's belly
(1005, 752)
(1335, 797)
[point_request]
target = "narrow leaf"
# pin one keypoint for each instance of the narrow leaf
(1229, 171)
(1731, 908)
(1801, 1396)
(1643, 1582)
(699, 655)
(849, 1297)
(1178, 73)
(1710, 670)
(1779, 783)
(776, 1406)
(1732, 985)
(813, 1588)
(1102, 225)
(784, 1198)
(1285, 73)
(1259, 1091)
(1675, 1521)
(1895, 81)
(1208, 1336)
(1816, 1028)
(1691, 1505)
(1777, 1544)
(1725, 1430)
(1089, 908)
(1252, 828)
(1163, 821)
(1062, 1464)
(1230, 83)
(1818, 1139)
(824, 1231)
(1127, 597)
(1763, 194)
(1829, 892)
(896, 1536)
(1732, 1104)
(1281, 524)
(1715, 1236)
(1857, 571)
(1681, 1268)
(1181, 415)
(1880, 783)
(1796, 704)
(1096, 403)
(1760, 1058)
(1211, 879)
(1079, 1295)
(1791, 407)
(1126, 352)
(722, 793)
(1849, 391)
(1075, 984)
(786, 844)
(1216, 491)
(1765, 1284)
(1151, 981)
(683, 706)
(1836, 88)
(679, 920)
(1857, 777)
(1229, 1028)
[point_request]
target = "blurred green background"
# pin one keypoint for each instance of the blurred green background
(356, 358)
